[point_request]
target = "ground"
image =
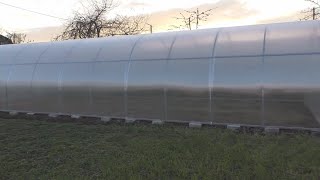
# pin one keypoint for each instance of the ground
(39, 149)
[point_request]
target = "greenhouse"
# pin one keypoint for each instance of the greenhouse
(266, 75)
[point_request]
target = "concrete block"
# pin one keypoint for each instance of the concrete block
(75, 116)
(106, 119)
(53, 115)
(195, 125)
(157, 122)
(233, 127)
(13, 113)
(315, 133)
(271, 130)
(129, 120)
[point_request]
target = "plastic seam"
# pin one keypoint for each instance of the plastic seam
(211, 76)
(60, 74)
(12, 66)
(165, 84)
(126, 77)
(34, 70)
(263, 120)
(91, 75)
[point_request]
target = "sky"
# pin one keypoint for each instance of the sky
(160, 12)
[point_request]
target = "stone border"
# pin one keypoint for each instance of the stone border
(55, 117)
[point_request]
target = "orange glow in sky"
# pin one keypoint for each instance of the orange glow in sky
(161, 12)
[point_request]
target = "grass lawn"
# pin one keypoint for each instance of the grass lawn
(32, 149)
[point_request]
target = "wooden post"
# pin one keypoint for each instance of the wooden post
(313, 13)
(197, 23)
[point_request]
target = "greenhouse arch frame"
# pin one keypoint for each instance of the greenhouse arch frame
(266, 75)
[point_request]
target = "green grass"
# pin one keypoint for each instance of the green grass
(32, 149)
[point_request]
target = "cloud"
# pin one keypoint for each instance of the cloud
(43, 34)
(287, 18)
(136, 4)
(225, 13)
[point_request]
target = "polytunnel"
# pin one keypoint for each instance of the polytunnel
(264, 75)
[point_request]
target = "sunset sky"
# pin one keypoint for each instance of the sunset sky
(161, 13)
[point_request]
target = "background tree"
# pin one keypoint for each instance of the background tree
(313, 12)
(17, 38)
(93, 22)
(192, 19)
(130, 25)
(14, 37)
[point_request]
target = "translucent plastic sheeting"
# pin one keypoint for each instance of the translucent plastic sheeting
(85, 51)
(75, 88)
(107, 88)
(4, 72)
(45, 88)
(146, 89)
(292, 90)
(19, 90)
(9, 52)
(117, 48)
(237, 91)
(153, 47)
(58, 51)
(31, 53)
(190, 45)
(257, 75)
(187, 89)
(240, 41)
(293, 38)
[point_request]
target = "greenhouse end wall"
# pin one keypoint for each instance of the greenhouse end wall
(264, 75)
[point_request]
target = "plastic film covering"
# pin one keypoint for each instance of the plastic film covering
(19, 92)
(31, 53)
(291, 86)
(145, 89)
(4, 72)
(75, 88)
(107, 88)
(190, 45)
(146, 77)
(240, 41)
(237, 90)
(256, 75)
(292, 90)
(9, 52)
(293, 38)
(187, 90)
(238, 63)
(57, 52)
(45, 88)
(117, 48)
(153, 47)
(84, 51)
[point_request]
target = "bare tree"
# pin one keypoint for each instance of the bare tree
(93, 22)
(313, 12)
(192, 19)
(14, 37)
(17, 38)
(130, 25)
(89, 23)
